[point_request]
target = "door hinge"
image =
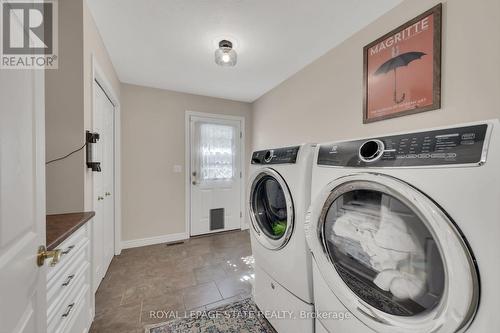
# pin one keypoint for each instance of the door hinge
(241, 174)
(241, 214)
(241, 135)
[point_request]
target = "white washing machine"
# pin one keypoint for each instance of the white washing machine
(405, 232)
(278, 200)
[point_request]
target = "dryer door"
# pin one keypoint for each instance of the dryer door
(392, 256)
(271, 209)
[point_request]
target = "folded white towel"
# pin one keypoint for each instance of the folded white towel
(393, 233)
(402, 285)
(385, 238)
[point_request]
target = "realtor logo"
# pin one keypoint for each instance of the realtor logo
(29, 34)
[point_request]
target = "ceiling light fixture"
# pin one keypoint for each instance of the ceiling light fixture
(225, 55)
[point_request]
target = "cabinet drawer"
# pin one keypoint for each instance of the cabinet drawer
(68, 249)
(63, 309)
(78, 316)
(79, 320)
(62, 283)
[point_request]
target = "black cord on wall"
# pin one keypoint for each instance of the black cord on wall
(66, 156)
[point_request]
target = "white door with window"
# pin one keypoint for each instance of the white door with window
(23, 298)
(104, 221)
(215, 174)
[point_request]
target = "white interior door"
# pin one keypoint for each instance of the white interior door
(98, 221)
(22, 201)
(103, 223)
(215, 186)
(108, 168)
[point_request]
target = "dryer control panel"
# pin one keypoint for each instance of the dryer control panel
(458, 145)
(276, 156)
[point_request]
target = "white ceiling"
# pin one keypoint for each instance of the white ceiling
(170, 44)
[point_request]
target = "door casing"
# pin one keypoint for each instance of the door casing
(187, 131)
(99, 76)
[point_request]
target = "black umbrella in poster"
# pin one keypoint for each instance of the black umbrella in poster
(393, 64)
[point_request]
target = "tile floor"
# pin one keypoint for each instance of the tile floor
(201, 273)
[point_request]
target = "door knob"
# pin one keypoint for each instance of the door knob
(107, 194)
(99, 198)
(193, 182)
(44, 254)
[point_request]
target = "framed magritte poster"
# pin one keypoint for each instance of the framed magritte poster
(402, 69)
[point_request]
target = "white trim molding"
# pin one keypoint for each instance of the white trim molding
(153, 240)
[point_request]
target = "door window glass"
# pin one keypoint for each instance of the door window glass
(216, 152)
(384, 252)
(269, 207)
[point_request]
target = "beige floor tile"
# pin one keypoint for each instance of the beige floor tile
(180, 280)
(223, 302)
(162, 308)
(121, 318)
(203, 272)
(105, 300)
(210, 273)
(201, 295)
(231, 286)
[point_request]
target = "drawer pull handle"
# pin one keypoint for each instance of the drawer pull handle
(70, 307)
(68, 280)
(68, 250)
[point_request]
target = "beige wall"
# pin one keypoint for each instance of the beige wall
(152, 143)
(323, 101)
(64, 114)
(68, 94)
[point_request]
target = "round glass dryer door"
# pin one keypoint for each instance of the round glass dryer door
(271, 209)
(393, 257)
(384, 252)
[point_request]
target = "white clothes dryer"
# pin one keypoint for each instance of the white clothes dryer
(279, 196)
(405, 232)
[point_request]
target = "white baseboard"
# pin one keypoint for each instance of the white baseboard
(153, 240)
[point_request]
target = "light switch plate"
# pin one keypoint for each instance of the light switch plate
(178, 168)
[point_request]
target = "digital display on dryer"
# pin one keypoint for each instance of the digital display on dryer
(276, 156)
(463, 145)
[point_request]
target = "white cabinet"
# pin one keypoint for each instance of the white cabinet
(69, 296)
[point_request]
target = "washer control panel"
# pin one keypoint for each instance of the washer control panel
(459, 145)
(276, 156)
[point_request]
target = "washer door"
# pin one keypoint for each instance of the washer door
(271, 209)
(392, 256)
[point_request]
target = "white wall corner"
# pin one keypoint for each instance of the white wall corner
(153, 240)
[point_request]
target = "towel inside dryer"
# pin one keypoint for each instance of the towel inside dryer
(384, 252)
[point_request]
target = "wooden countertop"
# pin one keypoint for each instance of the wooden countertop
(61, 226)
